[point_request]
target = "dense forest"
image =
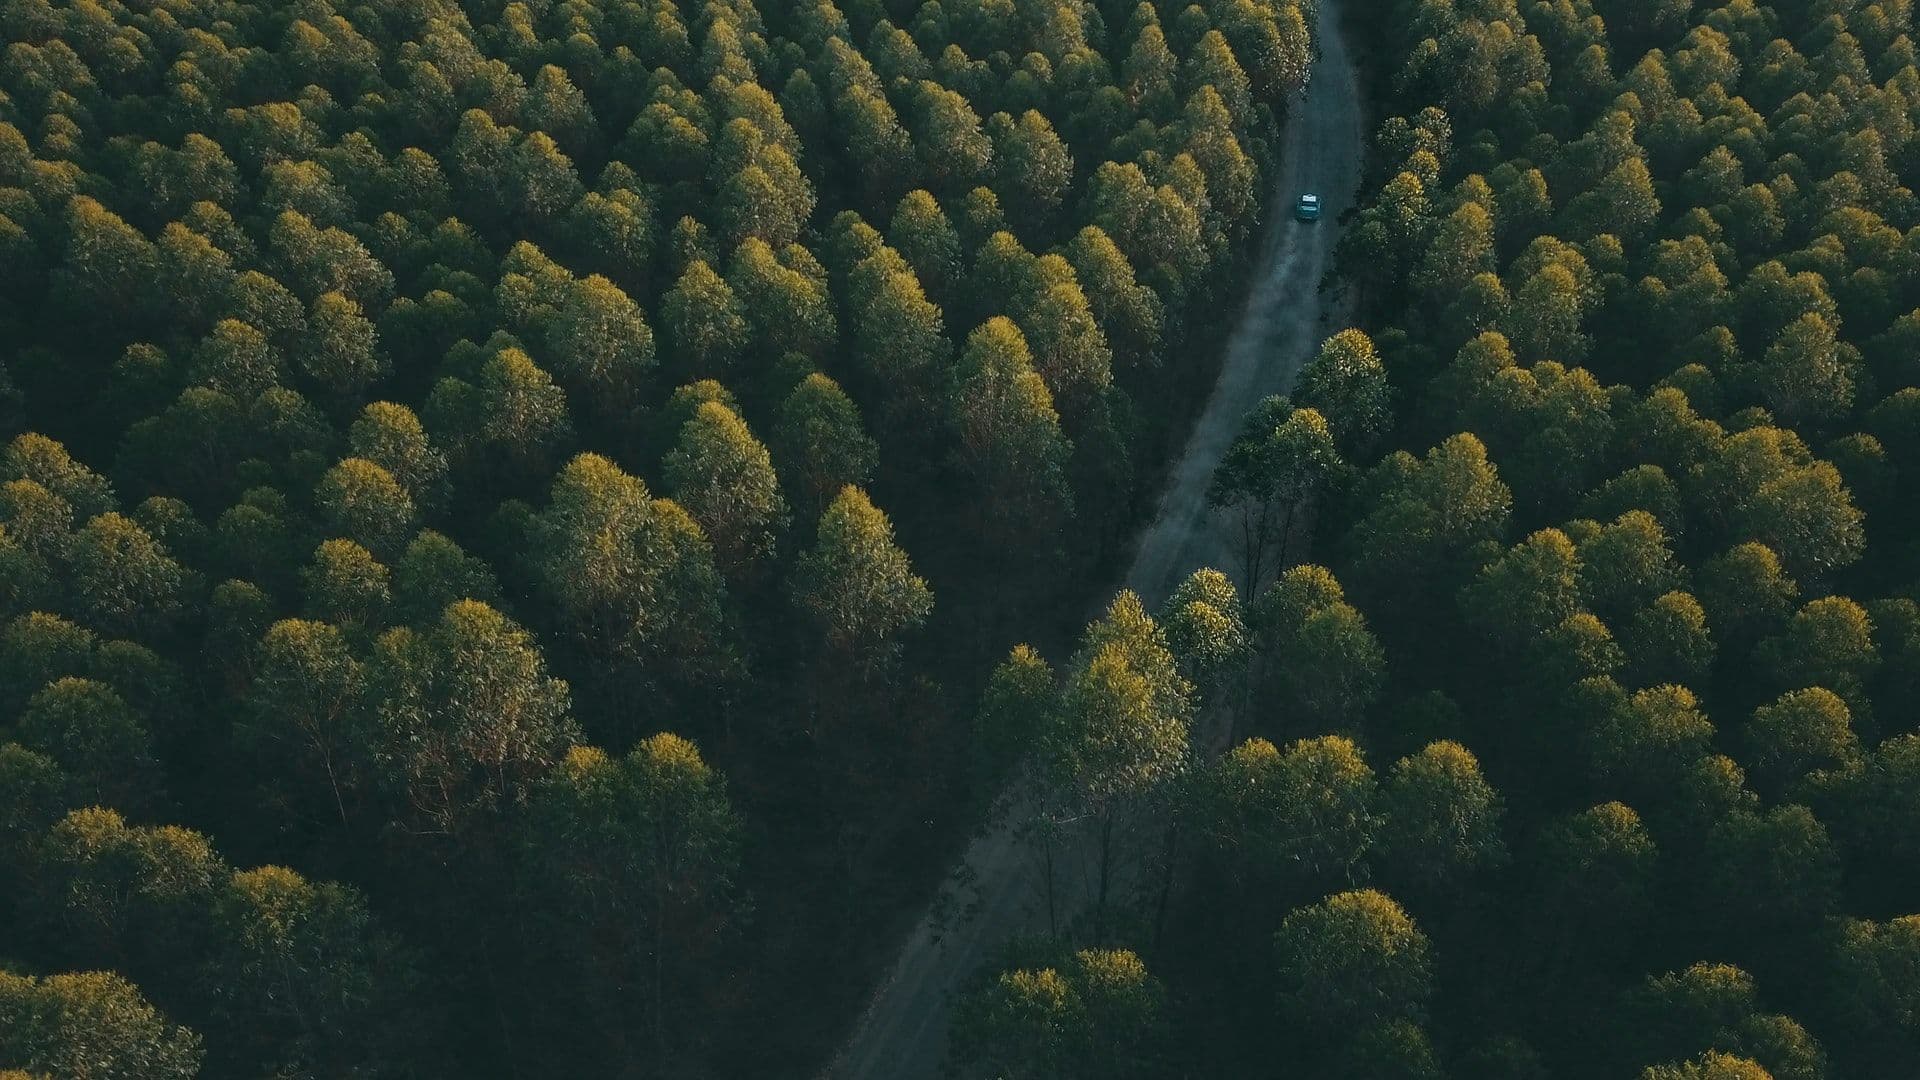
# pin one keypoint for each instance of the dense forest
(1572, 710)
(505, 507)
(515, 517)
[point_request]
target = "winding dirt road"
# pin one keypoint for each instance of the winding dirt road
(997, 891)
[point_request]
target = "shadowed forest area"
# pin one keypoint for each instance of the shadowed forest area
(504, 506)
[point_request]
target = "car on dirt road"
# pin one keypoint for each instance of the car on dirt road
(1308, 208)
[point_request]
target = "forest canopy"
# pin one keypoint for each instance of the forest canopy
(502, 505)
(515, 520)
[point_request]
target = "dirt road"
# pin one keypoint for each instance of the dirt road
(997, 893)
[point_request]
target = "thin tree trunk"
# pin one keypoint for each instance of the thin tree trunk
(1286, 534)
(1252, 549)
(338, 803)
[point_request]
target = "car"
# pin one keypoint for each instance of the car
(1308, 208)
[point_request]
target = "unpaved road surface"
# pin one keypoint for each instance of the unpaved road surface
(998, 892)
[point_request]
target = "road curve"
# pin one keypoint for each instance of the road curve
(996, 893)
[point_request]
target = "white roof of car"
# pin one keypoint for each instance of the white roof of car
(1309, 198)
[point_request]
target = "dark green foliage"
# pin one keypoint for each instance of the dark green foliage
(1206, 630)
(94, 1024)
(392, 328)
(820, 445)
(1284, 461)
(857, 588)
(1689, 545)
(1442, 820)
(724, 477)
(1098, 1013)
(467, 716)
(1304, 818)
(631, 860)
(1010, 435)
(307, 969)
(90, 732)
(1016, 710)
(1349, 961)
